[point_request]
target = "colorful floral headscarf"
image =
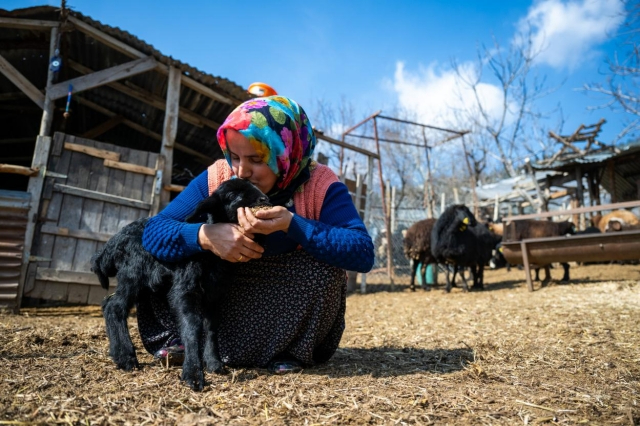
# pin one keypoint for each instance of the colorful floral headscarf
(279, 130)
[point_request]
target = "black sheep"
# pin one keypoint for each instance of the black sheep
(458, 239)
(192, 286)
(417, 248)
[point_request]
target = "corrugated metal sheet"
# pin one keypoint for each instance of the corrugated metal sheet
(28, 51)
(14, 207)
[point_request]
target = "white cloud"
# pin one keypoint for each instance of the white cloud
(434, 94)
(566, 31)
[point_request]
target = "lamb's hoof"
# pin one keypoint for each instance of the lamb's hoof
(448, 289)
(426, 288)
(193, 378)
(477, 288)
(127, 363)
(216, 367)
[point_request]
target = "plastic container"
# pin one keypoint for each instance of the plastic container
(431, 274)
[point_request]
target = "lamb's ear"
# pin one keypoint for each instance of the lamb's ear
(205, 209)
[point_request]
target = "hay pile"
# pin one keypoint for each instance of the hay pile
(566, 354)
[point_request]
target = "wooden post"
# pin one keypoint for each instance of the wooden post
(456, 197)
(49, 104)
(496, 209)
(39, 162)
(612, 180)
(367, 213)
(527, 266)
(157, 186)
(170, 130)
(442, 203)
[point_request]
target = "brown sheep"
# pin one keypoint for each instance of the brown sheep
(526, 229)
(417, 248)
(617, 220)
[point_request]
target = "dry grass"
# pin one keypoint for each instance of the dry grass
(566, 354)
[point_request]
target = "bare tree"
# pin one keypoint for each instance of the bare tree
(504, 128)
(622, 87)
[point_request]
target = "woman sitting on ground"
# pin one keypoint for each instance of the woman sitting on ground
(285, 308)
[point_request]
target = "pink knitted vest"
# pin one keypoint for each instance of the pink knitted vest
(308, 198)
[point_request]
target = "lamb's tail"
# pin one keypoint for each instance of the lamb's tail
(103, 264)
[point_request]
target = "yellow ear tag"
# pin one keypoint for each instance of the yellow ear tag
(465, 220)
(500, 249)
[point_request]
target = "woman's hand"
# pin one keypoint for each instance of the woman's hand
(265, 221)
(229, 242)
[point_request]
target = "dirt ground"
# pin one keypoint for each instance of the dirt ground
(564, 354)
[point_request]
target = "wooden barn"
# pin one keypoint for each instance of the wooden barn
(97, 128)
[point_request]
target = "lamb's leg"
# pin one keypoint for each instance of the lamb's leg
(187, 307)
(414, 268)
(449, 282)
(465, 286)
(115, 309)
(478, 282)
(565, 277)
(211, 355)
(537, 278)
(423, 273)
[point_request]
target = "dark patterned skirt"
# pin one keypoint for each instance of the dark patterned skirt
(283, 306)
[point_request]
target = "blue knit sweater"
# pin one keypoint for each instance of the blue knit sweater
(339, 238)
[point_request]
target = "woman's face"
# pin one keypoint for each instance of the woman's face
(247, 163)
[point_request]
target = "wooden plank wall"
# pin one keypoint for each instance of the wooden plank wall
(74, 225)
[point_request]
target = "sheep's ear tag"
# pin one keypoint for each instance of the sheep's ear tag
(465, 220)
(501, 249)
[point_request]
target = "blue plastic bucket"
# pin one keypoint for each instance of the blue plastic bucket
(431, 274)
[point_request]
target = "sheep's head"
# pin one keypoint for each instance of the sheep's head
(223, 204)
(464, 218)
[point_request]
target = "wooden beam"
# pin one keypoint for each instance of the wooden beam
(157, 186)
(94, 152)
(49, 104)
(149, 98)
(134, 53)
(64, 276)
(11, 96)
(346, 145)
(170, 130)
(100, 78)
(21, 82)
(75, 233)
(129, 167)
(28, 24)
(204, 159)
(18, 170)
(174, 188)
(103, 128)
(106, 39)
(31, 139)
(36, 183)
(100, 196)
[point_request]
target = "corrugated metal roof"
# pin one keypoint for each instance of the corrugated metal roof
(28, 51)
(618, 171)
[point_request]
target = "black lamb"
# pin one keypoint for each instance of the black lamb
(417, 248)
(459, 240)
(192, 286)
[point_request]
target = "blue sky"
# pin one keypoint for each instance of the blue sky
(375, 54)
